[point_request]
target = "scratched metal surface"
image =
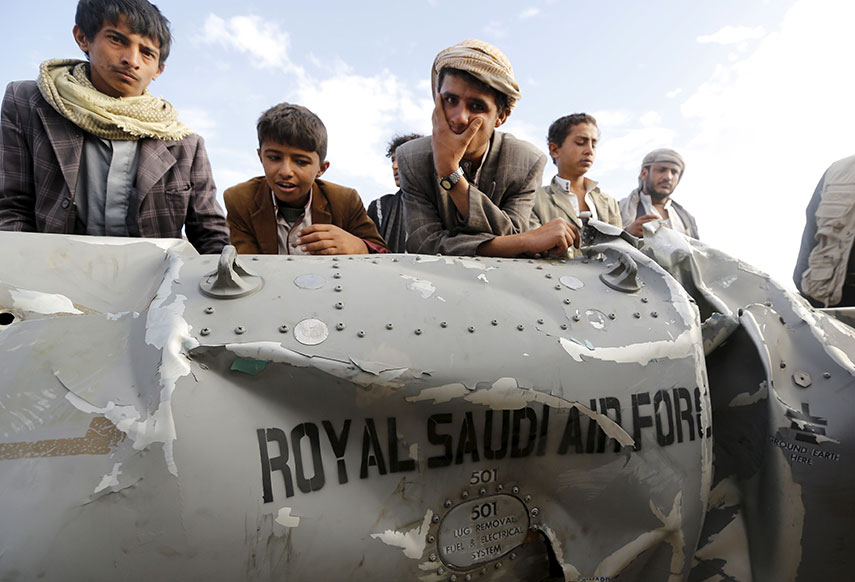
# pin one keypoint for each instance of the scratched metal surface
(403, 417)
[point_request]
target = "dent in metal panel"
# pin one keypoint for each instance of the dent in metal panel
(412, 542)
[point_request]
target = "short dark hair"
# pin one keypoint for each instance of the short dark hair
(560, 128)
(500, 98)
(398, 141)
(142, 18)
(293, 125)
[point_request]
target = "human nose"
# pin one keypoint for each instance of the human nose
(131, 56)
(458, 116)
(285, 169)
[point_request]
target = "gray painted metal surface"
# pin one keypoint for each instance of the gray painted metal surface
(654, 413)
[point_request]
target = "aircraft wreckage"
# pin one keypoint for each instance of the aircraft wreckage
(651, 410)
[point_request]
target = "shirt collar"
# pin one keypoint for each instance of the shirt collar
(305, 208)
(564, 184)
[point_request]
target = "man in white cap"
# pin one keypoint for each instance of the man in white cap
(468, 189)
(661, 171)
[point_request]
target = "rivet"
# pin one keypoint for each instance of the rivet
(395, 260)
(339, 326)
(447, 503)
(441, 571)
(482, 491)
(826, 375)
(389, 326)
(435, 519)
(768, 304)
(360, 333)
(431, 539)
(534, 511)
(254, 258)
(549, 275)
(644, 300)
(531, 260)
(515, 490)
(419, 331)
(540, 321)
(443, 324)
(654, 314)
(500, 487)
(527, 498)
(513, 555)
(585, 261)
(453, 578)
(577, 317)
(338, 288)
(540, 267)
(520, 327)
(612, 316)
(376, 262)
(471, 329)
(339, 305)
(209, 310)
(465, 495)
(432, 557)
(468, 577)
(239, 329)
(336, 275)
(558, 287)
(290, 259)
(636, 315)
(498, 565)
(783, 365)
(563, 326)
(566, 301)
(205, 331)
(494, 322)
(283, 329)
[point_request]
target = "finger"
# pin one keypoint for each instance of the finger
(317, 247)
(473, 128)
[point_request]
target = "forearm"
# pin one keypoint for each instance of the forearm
(507, 246)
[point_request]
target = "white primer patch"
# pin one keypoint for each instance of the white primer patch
(110, 479)
(413, 542)
(440, 394)
(746, 399)
(44, 303)
(683, 346)
(670, 532)
(472, 264)
(285, 518)
(421, 286)
(121, 314)
(483, 277)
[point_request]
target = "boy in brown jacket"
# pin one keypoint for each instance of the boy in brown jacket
(289, 210)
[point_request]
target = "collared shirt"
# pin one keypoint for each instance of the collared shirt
(590, 186)
(287, 231)
(673, 219)
(106, 185)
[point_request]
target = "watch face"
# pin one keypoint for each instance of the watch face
(446, 184)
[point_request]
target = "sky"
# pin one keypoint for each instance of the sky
(757, 96)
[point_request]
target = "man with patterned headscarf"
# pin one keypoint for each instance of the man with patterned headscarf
(661, 171)
(469, 189)
(86, 148)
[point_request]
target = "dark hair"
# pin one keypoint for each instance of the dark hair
(398, 141)
(141, 16)
(500, 98)
(294, 125)
(560, 128)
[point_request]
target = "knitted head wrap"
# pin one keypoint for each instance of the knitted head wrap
(663, 156)
(483, 61)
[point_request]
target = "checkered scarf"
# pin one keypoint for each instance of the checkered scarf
(484, 61)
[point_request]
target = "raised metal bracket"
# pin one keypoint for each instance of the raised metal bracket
(231, 279)
(623, 275)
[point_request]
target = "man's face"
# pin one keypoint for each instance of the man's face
(464, 102)
(660, 180)
(290, 171)
(395, 170)
(122, 62)
(576, 155)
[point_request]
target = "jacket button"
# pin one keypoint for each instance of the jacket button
(65, 203)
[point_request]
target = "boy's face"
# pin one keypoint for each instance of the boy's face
(463, 102)
(122, 62)
(290, 171)
(576, 155)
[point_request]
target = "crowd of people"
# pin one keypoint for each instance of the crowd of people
(86, 149)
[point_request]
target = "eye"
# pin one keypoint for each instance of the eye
(451, 99)
(478, 107)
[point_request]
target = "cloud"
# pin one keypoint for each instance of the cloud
(765, 128)
(733, 35)
(264, 42)
(495, 29)
(674, 93)
(530, 12)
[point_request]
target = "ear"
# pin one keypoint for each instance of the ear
(503, 117)
(159, 71)
(323, 168)
(553, 150)
(260, 159)
(80, 39)
(643, 175)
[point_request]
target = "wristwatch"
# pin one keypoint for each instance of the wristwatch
(448, 182)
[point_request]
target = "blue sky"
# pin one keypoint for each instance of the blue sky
(757, 96)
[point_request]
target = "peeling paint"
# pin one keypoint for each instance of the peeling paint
(412, 542)
(670, 532)
(285, 518)
(440, 394)
(683, 346)
(483, 277)
(44, 303)
(421, 286)
(569, 570)
(746, 399)
(110, 479)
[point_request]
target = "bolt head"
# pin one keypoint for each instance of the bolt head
(209, 310)
(240, 329)
(283, 329)
(360, 333)
(204, 331)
